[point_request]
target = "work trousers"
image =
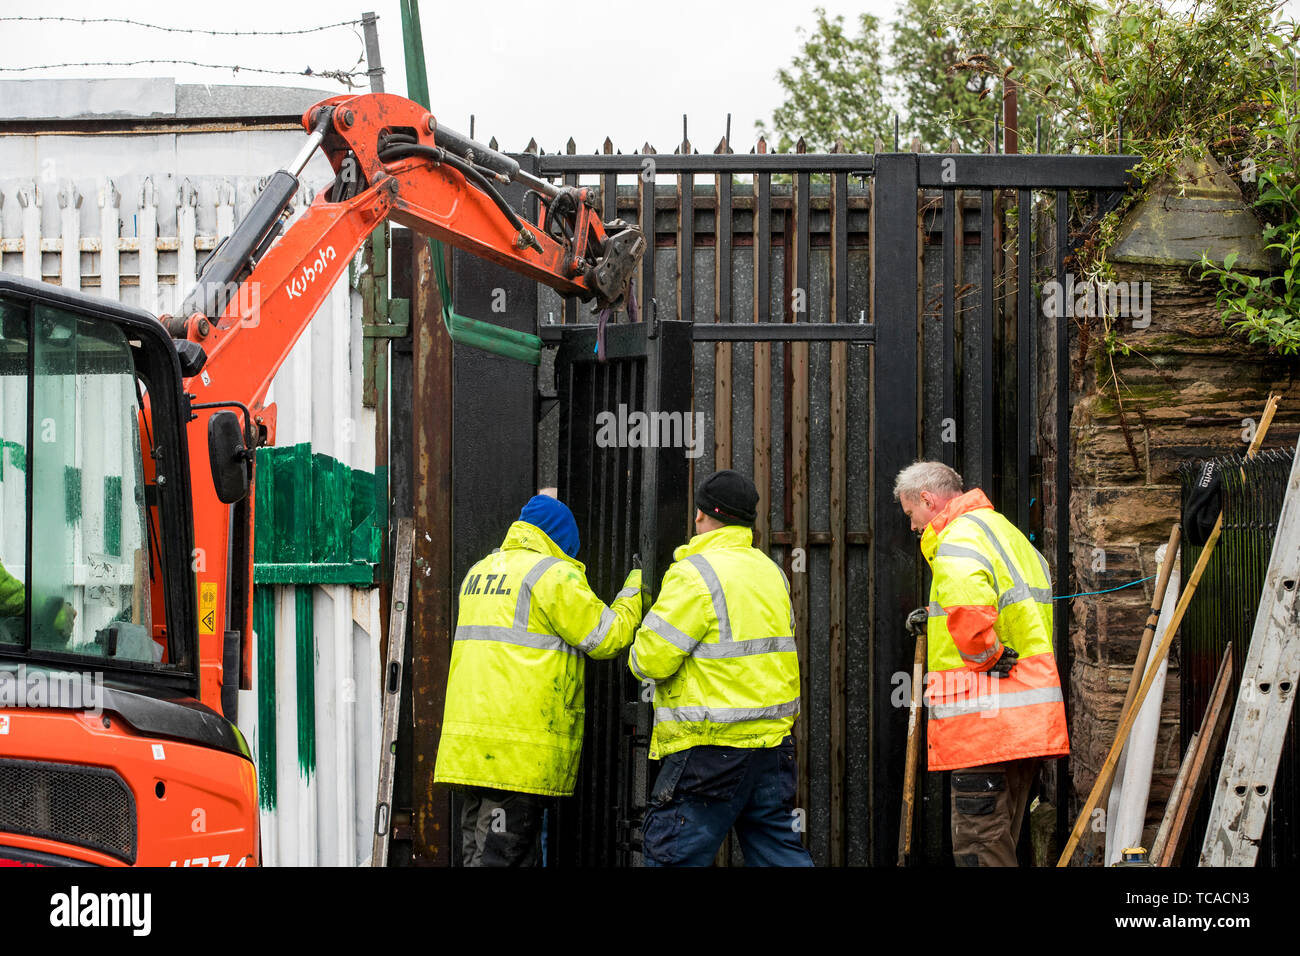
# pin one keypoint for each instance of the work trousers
(988, 808)
(500, 827)
(702, 792)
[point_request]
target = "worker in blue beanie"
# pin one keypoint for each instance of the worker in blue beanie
(513, 724)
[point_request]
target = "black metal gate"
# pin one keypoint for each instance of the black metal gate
(773, 271)
(625, 499)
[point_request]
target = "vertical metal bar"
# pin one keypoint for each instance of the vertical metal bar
(988, 284)
(722, 273)
(839, 519)
(374, 69)
(686, 245)
(895, 581)
(763, 356)
(1024, 359)
(1063, 582)
(569, 313)
(646, 200)
(948, 427)
(797, 370)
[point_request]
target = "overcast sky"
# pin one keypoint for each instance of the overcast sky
(549, 70)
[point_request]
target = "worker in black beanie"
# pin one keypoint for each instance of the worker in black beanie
(719, 647)
(729, 497)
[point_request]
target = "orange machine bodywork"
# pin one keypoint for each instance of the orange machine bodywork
(245, 347)
(192, 802)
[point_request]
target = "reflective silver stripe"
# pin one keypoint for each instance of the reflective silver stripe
(627, 592)
(981, 658)
(755, 645)
(1017, 578)
(727, 715)
(524, 603)
(995, 701)
(599, 632)
(715, 592)
(935, 609)
(670, 633)
(1047, 572)
(1023, 592)
(512, 635)
(1020, 590)
(631, 659)
(957, 551)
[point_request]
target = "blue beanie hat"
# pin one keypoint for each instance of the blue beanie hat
(555, 518)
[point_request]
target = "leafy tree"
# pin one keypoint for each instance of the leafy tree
(944, 89)
(834, 89)
(951, 88)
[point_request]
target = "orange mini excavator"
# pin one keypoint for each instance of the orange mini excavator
(125, 607)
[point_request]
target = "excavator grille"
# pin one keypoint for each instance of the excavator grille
(90, 807)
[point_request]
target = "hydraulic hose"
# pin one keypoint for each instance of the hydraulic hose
(439, 155)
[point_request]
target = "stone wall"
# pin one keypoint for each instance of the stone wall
(1183, 391)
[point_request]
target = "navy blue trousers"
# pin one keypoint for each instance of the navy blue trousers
(703, 792)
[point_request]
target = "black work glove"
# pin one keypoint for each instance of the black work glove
(916, 621)
(1004, 663)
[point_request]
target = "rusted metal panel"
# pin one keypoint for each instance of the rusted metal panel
(432, 589)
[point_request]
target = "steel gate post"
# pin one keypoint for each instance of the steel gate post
(895, 577)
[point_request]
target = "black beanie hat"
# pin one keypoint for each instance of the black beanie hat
(729, 497)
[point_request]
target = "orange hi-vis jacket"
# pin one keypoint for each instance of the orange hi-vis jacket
(991, 590)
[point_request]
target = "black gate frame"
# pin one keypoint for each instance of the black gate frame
(591, 834)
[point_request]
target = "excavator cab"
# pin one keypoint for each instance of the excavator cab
(93, 501)
(99, 661)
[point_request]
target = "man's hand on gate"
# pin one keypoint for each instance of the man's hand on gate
(1002, 667)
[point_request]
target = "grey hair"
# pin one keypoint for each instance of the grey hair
(932, 476)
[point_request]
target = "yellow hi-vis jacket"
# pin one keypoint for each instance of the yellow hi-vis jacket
(990, 590)
(515, 705)
(719, 645)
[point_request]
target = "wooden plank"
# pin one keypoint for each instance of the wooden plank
(839, 520)
(1213, 724)
(797, 478)
(722, 272)
(763, 356)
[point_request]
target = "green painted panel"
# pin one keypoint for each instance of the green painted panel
(17, 455)
(316, 519)
(71, 494)
(264, 625)
(264, 506)
(293, 505)
(306, 670)
(331, 511)
(356, 573)
(113, 515)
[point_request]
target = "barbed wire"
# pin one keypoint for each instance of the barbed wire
(343, 76)
(155, 26)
